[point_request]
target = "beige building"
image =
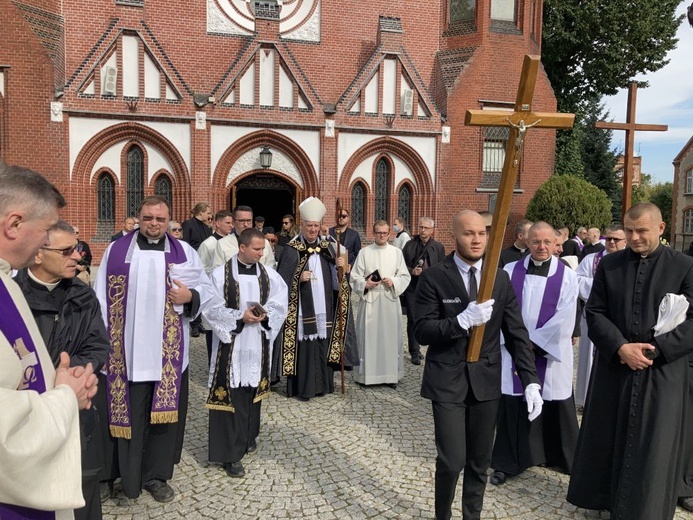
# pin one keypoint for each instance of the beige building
(682, 211)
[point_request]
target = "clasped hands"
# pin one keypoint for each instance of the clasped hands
(371, 284)
(476, 314)
(82, 380)
(633, 355)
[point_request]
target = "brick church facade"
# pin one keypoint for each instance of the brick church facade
(362, 101)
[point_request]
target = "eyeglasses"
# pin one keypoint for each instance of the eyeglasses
(177, 229)
(245, 221)
(381, 233)
(614, 239)
(65, 251)
(149, 218)
(286, 223)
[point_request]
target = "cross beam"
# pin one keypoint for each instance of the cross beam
(519, 121)
(630, 126)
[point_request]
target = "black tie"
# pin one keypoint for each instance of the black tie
(472, 284)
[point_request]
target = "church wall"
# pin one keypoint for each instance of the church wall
(682, 200)
(170, 64)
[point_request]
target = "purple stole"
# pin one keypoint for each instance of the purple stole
(15, 330)
(167, 390)
(552, 293)
(597, 258)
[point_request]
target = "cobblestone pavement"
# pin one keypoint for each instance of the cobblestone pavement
(369, 454)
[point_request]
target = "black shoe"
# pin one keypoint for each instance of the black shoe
(686, 503)
(194, 331)
(498, 478)
(252, 447)
(234, 469)
(392, 385)
(416, 359)
(160, 490)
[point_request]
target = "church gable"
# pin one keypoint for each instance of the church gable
(389, 83)
(266, 75)
(121, 59)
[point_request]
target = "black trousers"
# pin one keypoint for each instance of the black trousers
(464, 441)
(408, 302)
(313, 375)
(153, 449)
(231, 433)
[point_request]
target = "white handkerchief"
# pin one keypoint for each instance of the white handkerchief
(672, 312)
(187, 275)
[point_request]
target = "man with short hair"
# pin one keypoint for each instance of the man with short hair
(519, 249)
(349, 238)
(570, 246)
(593, 243)
(379, 276)
(150, 286)
(313, 336)
(196, 229)
(420, 253)
(39, 426)
(630, 457)
(228, 245)
(547, 293)
(259, 223)
(254, 308)
(84, 265)
(128, 226)
(399, 226)
(465, 394)
(68, 317)
(615, 241)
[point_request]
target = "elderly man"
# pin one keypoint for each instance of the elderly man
(630, 454)
(379, 277)
(313, 336)
(547, 292)
(255, 303)
(68, 317)
(519, 249)
(465, 395)
(420, 253)
(227, 246)
(149, 285)
(128, 226)
(615, 241)
(40, 448)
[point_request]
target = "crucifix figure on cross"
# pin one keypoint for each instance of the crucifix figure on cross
(519, 121)
(630, 126)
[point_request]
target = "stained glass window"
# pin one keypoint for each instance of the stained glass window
(404, 203)
(461, 10)
(106, 198)
(135, 186)
(382, 190)
(358, 204)
(162, 187)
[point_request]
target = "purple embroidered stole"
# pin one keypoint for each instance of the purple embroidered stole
(597, 258)
(17, 334)
(552, 293)
(167, 390)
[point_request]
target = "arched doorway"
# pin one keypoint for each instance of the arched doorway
(268, 195)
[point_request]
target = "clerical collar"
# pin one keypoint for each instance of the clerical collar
(48, 285)
(245, 268)
(152, 240)
(538, 263)
(520, 249)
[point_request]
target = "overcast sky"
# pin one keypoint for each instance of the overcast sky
(668, 101)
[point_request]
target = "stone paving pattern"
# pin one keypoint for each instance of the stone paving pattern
(369, 454)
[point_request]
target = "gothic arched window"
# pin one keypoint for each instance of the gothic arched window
(163, 188)
(358, 203)
(382, 191)
(105, 198)
(135, 177)
(404, 203)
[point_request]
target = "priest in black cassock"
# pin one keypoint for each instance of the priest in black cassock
(149, 286)
(630, 453)
(312, 337)
(248, 313)
(518, 249)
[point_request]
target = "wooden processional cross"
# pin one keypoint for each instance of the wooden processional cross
(519, 121)
(630, 127)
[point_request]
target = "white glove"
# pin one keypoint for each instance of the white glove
(475, 314)
(534, 400)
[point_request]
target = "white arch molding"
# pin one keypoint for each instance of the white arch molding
(250, 161)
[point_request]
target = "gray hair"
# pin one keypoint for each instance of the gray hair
(427, 219)
(26, 189)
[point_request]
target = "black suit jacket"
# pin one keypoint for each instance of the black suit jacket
(440, 297)
(118, 235)
(195, 232)
(435, 252)
(350, 239)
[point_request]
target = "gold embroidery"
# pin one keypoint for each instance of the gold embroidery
(166, 396)
(290, 345)
(118, 405)
(338, 333)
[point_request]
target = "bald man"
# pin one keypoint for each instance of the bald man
(465, 395)
(630, 453)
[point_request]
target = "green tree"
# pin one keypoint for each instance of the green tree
(592, 48)
(566, 200)
(662, 194)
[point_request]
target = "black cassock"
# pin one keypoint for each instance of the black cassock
(629, 454)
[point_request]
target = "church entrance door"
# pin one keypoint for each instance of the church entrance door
(268, 195)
